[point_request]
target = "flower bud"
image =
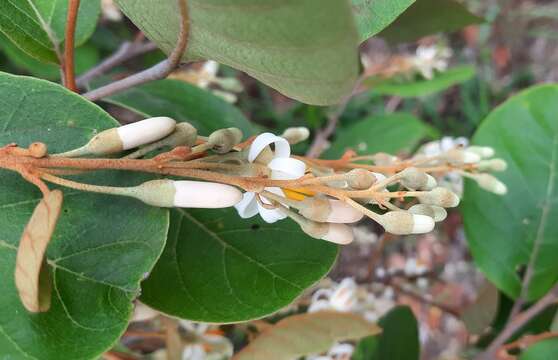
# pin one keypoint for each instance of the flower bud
(490, 183)
(130, 136)
(415, 179)
(440, 197)
(383, 159)
(335, 233)
(322, 209)
(459, 156)
(222, 141)
(37, 150)
(483, 151)
(492, 165)
(186, 194)
(184, 134)
(435, 212)
(404, 223)
(295, 135)
(360, 179)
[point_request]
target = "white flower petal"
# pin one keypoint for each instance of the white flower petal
(282, 147)
(270, 215)
(286, 168)
(248, 206)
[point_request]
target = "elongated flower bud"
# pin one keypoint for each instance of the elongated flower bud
(322, 209)
(295, 135)
(492, 165)
(335, 233)
(435, 212)
(459, 156)
(440, 197)
(222, 141)
(490, 183)
(184, 134)
(415, 179)
(186, 194)
(383, 159)
(484, 152)
(403, 223)
(360, 179)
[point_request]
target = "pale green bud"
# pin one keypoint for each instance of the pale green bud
(459, 156)
(295, 135)
(440, 197)
(404, 223)
(493, 165)
(483, 151)
(360, 179)
(490, 183)
(415, 179)
(322, 209)
(335, 233)
(222, 141)
(436, 212)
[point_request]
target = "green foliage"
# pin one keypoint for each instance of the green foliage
(306, 49)
(508, 232)
(543, 350)
(372, 16)
(217, 267)
(422, 87)
(183, 102)
(427, 17)
(37, 27)
(399, 339)
(391, 133)
(102, 246)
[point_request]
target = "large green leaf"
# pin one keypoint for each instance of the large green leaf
(508, 232)
(387, 133)
(37, 26)
(372, 16)
(399, 338)
(427, 17)
(183, 102)
(101, 248)
(306, 49)
(217, 267)
(543, 350)
(440, 82)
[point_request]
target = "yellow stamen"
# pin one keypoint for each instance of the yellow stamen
(297, 194)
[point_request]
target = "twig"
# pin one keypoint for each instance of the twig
(125, 52)
(444, 307)
(518, 322)
(528, 340)
(157, 72)
(68, 64)
(320, 141)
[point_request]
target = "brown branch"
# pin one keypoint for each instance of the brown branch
(157, 72)
(518, 322)
(528, 340)
(68, 64)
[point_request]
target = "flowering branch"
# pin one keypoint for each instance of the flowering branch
(158, 71)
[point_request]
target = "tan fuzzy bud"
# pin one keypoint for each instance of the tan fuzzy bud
(459, 156)
(186, 194)
(322, 209)
(360, 179)
(483, 151)
(404, 223)
(490, 183)
(335, 233)
(37, 150)
(493, 165)
(223, 140)
(440, 197)
(436, 212)
(415, 179)
(184, 135)
(383, 159)
(295, 135)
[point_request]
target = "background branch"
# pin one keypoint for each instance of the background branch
(68, 63)
(157, 72)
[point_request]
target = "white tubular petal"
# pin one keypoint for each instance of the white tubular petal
(248, 206)
(270, 215)
(199, 194)
(339, 234)
(282, 147)
(343, 213)
(286, 168)
(422, 224)
(145, 131)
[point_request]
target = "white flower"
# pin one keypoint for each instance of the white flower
(342, 298)
(110, 11)
(431, 58)
(282, 167)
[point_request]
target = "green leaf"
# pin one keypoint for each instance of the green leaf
(423, 87)
(217, 267)
(399, 338)
(102, 245)
(37, 26)
(427, 17)
(306, 334)
(306, 49)
(543, 350)
(183, 102)
(511, 231)
(387, 133)
(372, 16)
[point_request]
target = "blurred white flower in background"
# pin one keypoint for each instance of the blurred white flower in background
(110, 11)
(208, 343)
(431, 58)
